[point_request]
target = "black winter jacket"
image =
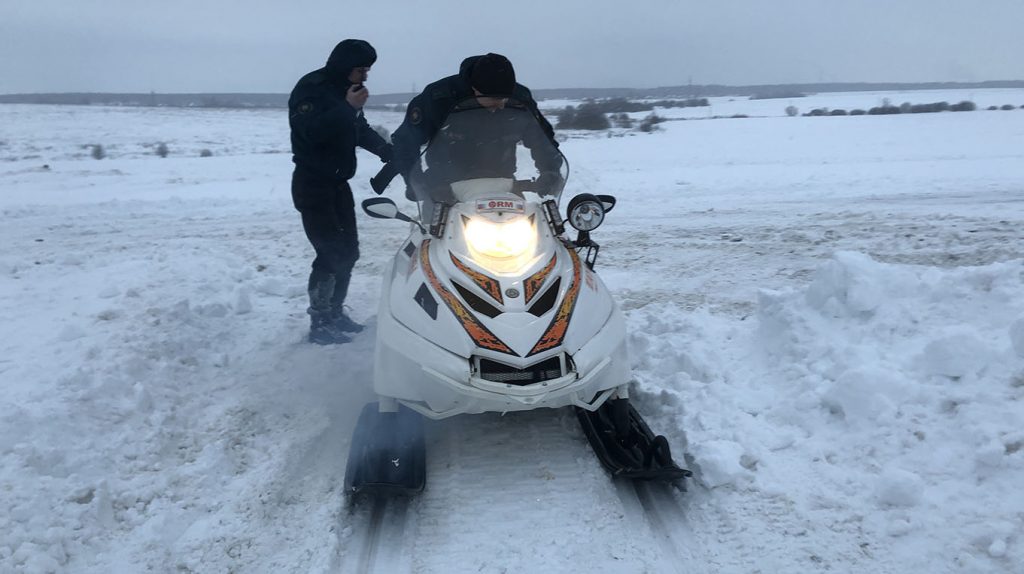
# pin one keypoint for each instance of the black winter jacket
(428, 111)
(325, 129)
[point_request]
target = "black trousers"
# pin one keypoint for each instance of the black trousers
(329, 220)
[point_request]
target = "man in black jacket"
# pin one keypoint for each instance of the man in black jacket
(487, 81)
(327, 124)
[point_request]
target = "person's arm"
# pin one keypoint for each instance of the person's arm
(372, 141)
(544, 123)
(312, 117)
(543, 146)
(411, 135)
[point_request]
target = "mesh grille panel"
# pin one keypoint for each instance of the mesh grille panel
(536, 373)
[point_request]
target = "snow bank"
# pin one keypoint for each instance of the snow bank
(889, 397)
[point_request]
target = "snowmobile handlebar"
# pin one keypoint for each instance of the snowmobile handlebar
(521, 185)
(380, 182)
(383, 178)
(546, 184)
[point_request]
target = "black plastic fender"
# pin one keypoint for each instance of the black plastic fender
(388, 453)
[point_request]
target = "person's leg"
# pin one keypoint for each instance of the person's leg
(347, 256)
(320, 222)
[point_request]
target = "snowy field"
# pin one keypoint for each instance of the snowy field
(826, 317)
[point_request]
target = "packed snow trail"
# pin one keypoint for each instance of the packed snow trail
(372, 534)
(546, 499)
(656, 505)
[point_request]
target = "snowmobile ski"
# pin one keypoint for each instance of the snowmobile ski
(625, 444)
(388, 453)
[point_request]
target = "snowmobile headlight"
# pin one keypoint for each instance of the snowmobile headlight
(586, 212)
(501, 240)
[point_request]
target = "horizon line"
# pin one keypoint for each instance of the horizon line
(539, 90)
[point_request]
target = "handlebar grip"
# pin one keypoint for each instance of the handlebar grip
(521, 185)
(383, 178)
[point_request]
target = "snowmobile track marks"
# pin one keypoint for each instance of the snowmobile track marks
(655, 505)
(376, 545)
(368, 553)
(501, 490)
(520, 491)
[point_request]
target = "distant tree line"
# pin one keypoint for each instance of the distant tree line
(624, 105)
(599, 114)
(888, 109)
(778, 95)
(588, 116)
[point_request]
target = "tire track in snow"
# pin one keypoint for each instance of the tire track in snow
(655, 505)
(501, 491)
(379, 547)
(524, 492)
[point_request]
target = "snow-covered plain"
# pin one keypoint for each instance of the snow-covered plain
(826, 318)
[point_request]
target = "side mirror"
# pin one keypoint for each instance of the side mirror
(608, 201)
(385, 208)
(381, 208)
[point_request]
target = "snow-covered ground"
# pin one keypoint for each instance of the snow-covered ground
(826, 318)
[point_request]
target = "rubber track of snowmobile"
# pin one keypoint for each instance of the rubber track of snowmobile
(501, 489)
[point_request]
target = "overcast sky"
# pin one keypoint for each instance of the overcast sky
(266, 45)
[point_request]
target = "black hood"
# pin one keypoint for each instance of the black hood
(350, 54)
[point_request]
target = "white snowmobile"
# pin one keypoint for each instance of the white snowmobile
(488, 307)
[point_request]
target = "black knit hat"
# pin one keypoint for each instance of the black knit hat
(493, 75)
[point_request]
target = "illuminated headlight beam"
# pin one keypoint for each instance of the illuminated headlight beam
(501, 240)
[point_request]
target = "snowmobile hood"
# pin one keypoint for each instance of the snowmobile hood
(454, 298)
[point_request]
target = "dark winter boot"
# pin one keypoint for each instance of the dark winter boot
(323, 332)
(322, 329)
(344, 323)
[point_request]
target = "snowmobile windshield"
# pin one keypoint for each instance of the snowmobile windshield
(500, 144)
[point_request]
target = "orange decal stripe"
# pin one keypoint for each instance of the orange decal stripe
(560, 323)
(476, 330)
(533, 283)
(490, 286)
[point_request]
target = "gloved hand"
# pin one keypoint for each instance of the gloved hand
(380, 181)
(441, 192)
(548, 183)
(386, 153)
(432, 184)
(435, 192)
(377, 185)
